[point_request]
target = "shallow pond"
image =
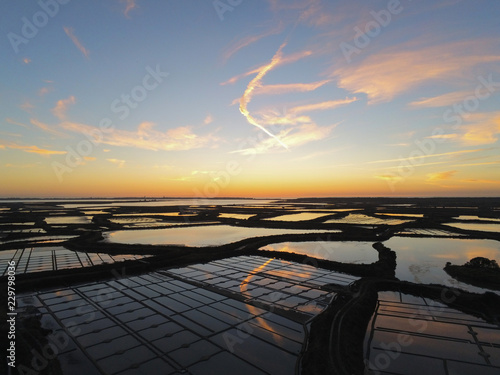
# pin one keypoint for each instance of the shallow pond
(366, 220)
(476, 226)
(208, 235)
(421, 260)
(345, 251)
(298, 217)
(68, 220)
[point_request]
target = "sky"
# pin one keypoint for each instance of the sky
(249, 98)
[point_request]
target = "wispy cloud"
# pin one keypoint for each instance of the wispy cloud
(246, 41)
(44, 90)
(426, 156)
(147, 137)
(440, 176)
(283, 60)
(22, 166)
(47, 128)
(289, 88)
(129, 5)
(61, 106)
(476, 164)
(32, 149)
(14, 122)
(481, 128)
(118, 162)
(27, 106)
(331, 104)
(393, 71)
(209, 119)
(441, 100)
(293, 137)
(389, 177)
(70, 32)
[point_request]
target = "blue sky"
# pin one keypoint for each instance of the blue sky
(263, 98)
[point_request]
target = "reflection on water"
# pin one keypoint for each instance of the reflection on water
(346, 251)
(298, 217)
(471, 217)
(429, 338)
(476, 226)
(364, 219)
(236, 216)
(254, 310)
(421, 260)
(209, 235)
(68, 220)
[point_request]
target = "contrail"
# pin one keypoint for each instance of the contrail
(247, 95)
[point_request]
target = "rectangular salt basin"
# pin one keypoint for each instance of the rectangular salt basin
(338, 251)
(208, 235)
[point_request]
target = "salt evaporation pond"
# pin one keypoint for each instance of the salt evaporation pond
(207, 235)
(476, 226)
(298, 217)
(338, 251)
(421, 260)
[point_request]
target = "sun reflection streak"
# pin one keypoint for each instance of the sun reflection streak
(252, 309)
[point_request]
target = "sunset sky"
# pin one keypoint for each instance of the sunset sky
(256, 98)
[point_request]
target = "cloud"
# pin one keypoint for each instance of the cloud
(118, 162)
(18, 166)
(70, 32)
(245, 42)
(208, 120)
(481, 128)
(309, 12)
(383, 76)
(46, 128)
(44, 90)
(289, 87)
(293, 137)
(441, 100)
(331, 104)
(129, 5)
(13, 122)
(389, 177)
(27, 106)
(425, 156)
(32, 149)
(255, 82)
(443, 136)
(284, 60)
(440, 176)
(147, 137)
(61, 106)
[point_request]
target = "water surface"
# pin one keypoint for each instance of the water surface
(338, 251)
(208, 235)
(421, 260)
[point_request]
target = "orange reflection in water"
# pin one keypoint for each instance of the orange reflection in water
(253, 310)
